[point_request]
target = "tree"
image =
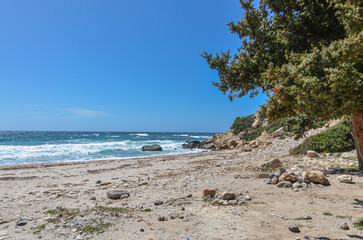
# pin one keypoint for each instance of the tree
(305, 55)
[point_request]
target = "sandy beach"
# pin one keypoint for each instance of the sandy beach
(165, 201)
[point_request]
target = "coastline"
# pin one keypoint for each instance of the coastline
(63, 200)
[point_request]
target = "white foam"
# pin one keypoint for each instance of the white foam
(200, 136)
(140, 134)
(181, 135)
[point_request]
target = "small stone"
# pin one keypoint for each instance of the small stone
(182, 208)
(105, 183)
(79, 237)
(344, 226)
(162, 218)
(158, 202)
(189, 195)
(233, 202)
(92, 198)
(209, 192)
(305, 217)
(142, 230)
(345, 178)
(267, 181)
(297, 185)
(21, 223)
(248, 198)
(294, 229)
(228, 196)
(312, 154)
(284, 184)
(98, 182)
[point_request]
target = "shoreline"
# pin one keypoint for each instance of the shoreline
(82, 162)
(164, 198)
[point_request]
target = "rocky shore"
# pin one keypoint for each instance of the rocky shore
(263, 193)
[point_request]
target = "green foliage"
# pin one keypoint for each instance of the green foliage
(327, 214)
(306, 56)
(111, 209)
(251, 134)
(63, 213)
(242, 124)
(38, 229)
(96, 227)
(335, 139)
(359, 223)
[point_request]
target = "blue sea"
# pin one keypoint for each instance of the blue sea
(38, 147)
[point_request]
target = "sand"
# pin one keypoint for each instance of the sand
(63, 200)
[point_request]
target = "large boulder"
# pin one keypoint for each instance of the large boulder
(275, 163)
(191, 145)
(317, 176)
(151, 148)
(278, 133)
(312, 154)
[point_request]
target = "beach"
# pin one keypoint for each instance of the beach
(162, 198)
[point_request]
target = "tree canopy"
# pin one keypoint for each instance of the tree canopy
(305, 55)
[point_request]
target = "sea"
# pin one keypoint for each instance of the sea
(21, 147)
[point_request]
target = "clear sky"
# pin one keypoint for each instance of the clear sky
(115, 65)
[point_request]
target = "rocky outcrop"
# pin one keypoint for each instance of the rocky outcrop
(151, 148)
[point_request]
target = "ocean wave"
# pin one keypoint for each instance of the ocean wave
(181, 135)
(200, 136)
(140, 134)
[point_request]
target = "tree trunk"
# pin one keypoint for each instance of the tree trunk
(357, 132)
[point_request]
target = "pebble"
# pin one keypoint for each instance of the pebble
(79, 237)
(228, 196)
(209, 192)
(294, 229)
(158, 202)
(21, 223)
(162, 219)
(98, 182)
(92, 198)
(248, 198)
(344, 226)
(284, 184)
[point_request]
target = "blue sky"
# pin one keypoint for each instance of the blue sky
(115, 65)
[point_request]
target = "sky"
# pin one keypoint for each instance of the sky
(116, 65)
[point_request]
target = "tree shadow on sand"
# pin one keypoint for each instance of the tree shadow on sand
(326, 238)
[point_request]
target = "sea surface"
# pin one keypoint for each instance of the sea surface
(39, 147)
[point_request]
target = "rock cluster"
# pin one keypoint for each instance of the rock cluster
(299, 180)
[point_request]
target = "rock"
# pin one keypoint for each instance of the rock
(284, 184)
(98, 182)
(92, 198)
(232, 143)
(105, 183)
(297, 185)
(162, 219)
(347, 155)
(272, 175)
(208, 146)
(317, 176)
(344, 226)
(228, 196)
(248, 198)
(209, 192)
(275, 163)
(302, 177)
(287, 177)
(223, 147)
(278, 133)
(274, 180)
(267, 181)
(312, 154)
(117, 194)
(294, 229)
(191, 145)
(345, 179)
(305, 217)
(158, 202)
(151, 148)
(257, 123)
(21, 223)
(263, 175)
(79, 237)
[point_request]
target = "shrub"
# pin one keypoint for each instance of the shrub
(335, 139)
(242, 124)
